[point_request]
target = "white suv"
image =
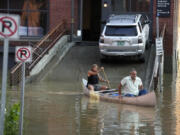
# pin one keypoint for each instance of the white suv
(125, 35)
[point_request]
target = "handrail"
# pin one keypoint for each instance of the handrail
(48, 35)
(44, 52)
(38, 51)
(15, 68)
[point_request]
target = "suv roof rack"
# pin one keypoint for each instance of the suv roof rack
(132, 18)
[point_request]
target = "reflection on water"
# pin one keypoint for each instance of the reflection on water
(121, 119)
(52, 111)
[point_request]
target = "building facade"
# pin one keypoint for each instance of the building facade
(86, 16)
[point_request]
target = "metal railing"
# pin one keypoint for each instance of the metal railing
(163, 31)
(158, 70)
(39, 50)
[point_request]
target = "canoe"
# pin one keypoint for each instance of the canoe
(112, 96)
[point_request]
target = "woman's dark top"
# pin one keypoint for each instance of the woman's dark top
(93, 79)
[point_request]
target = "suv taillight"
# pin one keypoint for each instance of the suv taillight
(140, 40)
(101, 39)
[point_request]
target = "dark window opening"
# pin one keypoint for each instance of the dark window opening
(119, 6)
(121, 31)
(3, 4)
(91, 20)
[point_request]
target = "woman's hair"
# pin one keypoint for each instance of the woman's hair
(94, 65)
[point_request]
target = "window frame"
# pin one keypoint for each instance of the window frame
(43, 11)
(128, 8)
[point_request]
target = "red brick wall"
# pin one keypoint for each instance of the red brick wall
(168, 39)
(61, 10)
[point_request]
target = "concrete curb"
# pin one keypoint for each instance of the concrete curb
(60, 49)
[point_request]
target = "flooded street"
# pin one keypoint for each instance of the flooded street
(55, 104)
(56, 42)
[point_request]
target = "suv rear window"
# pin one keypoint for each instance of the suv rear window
(121, 31)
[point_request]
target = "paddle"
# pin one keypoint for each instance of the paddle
(105, 75)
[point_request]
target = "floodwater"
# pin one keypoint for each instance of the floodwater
(55, 104)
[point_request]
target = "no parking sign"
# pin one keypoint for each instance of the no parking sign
(9, 26)
(23, 54)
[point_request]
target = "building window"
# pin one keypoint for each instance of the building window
(119, 6)
(33, 14)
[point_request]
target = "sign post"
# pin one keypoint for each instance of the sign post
(4, 85)
(23, 54)
(157, 26)
(160, 56)
(22, 99)
(8, 30)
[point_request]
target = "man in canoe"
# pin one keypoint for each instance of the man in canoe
(94, 78)
(131, 86)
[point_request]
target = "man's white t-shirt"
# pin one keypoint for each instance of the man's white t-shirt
(130, 86)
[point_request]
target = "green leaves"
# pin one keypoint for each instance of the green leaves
(12, 120)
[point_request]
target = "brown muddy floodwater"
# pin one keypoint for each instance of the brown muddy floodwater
(55, 105)
(52, 110)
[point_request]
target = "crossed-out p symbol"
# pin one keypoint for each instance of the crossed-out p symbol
(23, 54)
(8, 26)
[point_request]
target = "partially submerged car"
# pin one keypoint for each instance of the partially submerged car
(125, 35)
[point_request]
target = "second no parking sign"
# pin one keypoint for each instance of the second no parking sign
(24, 54)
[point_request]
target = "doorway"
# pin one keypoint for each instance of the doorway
(91, 20)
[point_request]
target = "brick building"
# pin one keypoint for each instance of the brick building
(87, 16)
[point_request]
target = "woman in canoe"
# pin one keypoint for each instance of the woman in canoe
(131, 86)
(94, 78)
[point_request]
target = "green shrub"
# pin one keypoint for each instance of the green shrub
(12, 120)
